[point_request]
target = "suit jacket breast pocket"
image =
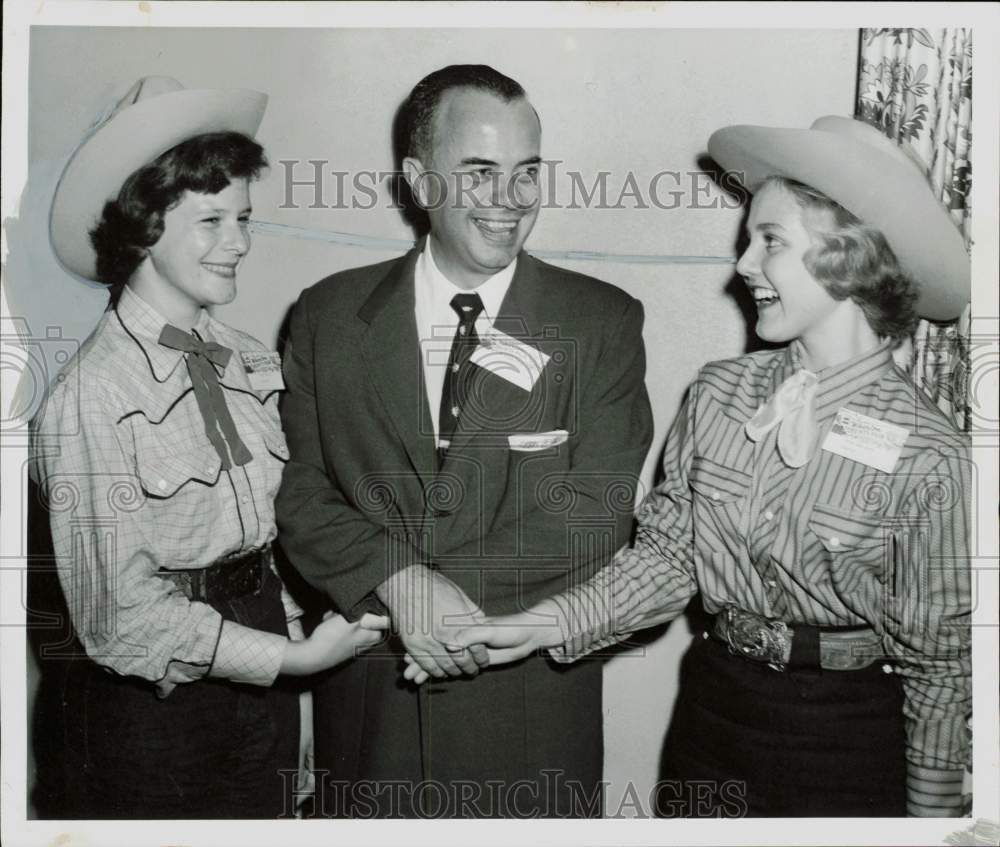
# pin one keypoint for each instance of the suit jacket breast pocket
(533, 473)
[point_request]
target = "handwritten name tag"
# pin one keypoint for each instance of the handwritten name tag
(509, 358)
(263, 370)
(867, 440)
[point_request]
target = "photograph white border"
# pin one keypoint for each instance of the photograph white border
(20, 16)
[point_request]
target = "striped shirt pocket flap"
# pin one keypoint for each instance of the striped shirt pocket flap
(839, 530)
(717, 483)
(163, 473)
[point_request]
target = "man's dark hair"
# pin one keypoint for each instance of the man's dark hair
(133, 221)
(423, 101)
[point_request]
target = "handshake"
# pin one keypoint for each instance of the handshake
(446, 634)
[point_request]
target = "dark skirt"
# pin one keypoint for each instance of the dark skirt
(211, 749)
(746, 740)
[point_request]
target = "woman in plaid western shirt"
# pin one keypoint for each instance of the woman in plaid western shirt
(816, 501)
(160, 451)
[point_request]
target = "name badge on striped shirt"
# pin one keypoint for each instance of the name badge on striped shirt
(863, 439)
(263, 370)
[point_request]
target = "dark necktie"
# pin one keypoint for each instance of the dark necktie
(454, 391)
(201, 358)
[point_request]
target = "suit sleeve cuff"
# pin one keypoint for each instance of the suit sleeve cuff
(248, 655)
(368, 603)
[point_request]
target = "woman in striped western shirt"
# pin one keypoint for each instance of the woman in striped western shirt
(816, 501)
(160, 450)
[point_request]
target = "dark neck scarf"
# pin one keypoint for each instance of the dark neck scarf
(219, 425)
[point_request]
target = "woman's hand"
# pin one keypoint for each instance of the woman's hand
(334, 641)
(508, 638)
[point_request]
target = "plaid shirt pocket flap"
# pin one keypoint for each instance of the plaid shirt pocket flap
(276, 445)
(162, 473)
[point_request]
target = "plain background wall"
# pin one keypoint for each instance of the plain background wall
(612, 100)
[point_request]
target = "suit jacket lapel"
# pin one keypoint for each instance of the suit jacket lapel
(391, 352)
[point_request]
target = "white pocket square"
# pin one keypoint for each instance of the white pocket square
(532, 441)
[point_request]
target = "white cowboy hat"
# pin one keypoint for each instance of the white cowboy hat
(156, 114)
(873, 178)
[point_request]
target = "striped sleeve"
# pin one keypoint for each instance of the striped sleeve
(933, 792)
(928, 631)
(650, 582)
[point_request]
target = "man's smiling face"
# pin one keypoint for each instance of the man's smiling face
(480, 187)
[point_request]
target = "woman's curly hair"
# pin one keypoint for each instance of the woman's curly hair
(133, 221)
(852, 259)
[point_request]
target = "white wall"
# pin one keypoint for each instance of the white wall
(622, 100)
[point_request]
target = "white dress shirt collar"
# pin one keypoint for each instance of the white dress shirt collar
(435, 290)
(437, 321)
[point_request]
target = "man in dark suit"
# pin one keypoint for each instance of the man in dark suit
(466, 425)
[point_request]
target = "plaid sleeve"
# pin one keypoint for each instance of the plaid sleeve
(650, 582)
(248, 655)
(127, 618)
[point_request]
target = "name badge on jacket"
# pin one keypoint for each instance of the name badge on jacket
(509, 358)
(867, 440)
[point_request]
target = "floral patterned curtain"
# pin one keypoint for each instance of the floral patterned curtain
(916, 86)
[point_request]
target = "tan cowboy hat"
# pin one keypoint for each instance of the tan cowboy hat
(872, 177)
(156, 114)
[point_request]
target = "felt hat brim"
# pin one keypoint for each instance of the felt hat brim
(133, 136)
(870, 176)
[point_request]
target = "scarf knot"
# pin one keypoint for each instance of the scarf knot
(792, 407)
(201, 358)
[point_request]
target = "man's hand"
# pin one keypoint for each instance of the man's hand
(428, 610)
(508, 638)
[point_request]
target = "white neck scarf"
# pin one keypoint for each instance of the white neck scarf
(793, 408)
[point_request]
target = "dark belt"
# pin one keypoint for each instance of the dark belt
(226, 579)
(783, 646)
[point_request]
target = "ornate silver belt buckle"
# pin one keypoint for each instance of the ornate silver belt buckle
(757, 638)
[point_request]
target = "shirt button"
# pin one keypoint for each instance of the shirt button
(768, 515)
(461, 330)
(454, 411)
(715, 495)
(834, 541)
(455, 367)
(772, 583)
(886, 668)
(245, 498)
(162, 485)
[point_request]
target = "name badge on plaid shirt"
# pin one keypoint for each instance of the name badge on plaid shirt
(263, 370)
